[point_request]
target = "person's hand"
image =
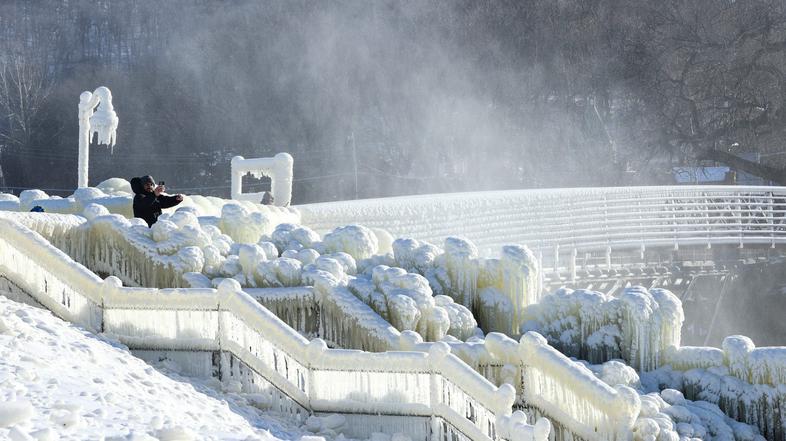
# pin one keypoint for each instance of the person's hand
(179, 198)
(160, 189)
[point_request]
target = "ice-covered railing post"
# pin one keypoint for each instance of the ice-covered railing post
(103, 122)
(279, 168)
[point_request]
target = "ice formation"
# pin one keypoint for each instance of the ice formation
(745, 382)
(232, 322)
(638, 326)
(364, 282)
(406, 300)
(496, 291)
(279, 168)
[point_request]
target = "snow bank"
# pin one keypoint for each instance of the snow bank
(105, 391)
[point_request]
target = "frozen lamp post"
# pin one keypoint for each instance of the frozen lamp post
(103, 122)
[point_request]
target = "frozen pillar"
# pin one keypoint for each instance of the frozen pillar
(103, 122)
(278, 168)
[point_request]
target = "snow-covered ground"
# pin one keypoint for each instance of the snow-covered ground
(58, 382)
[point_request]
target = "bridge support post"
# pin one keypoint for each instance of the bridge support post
(573, 257)
(608, 258)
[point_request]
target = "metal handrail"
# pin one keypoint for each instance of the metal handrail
(582, 219)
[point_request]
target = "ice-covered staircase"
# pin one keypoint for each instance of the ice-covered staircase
(424, 395)
(340, 317)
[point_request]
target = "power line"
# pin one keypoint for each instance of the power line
(375, 171)
(31, 188)
(136, 160)
(219, 187)
(322, 177)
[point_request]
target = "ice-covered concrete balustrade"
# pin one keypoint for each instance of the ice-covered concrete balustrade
(444, 397)
(746, 382)
(158, 256)
(557, 223)
(348, 322)
(116, 196)
(578, 403)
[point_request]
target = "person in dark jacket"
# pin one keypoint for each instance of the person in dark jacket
(267, 198)
(149, 199)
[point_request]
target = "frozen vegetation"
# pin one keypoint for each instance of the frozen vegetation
(361, 288)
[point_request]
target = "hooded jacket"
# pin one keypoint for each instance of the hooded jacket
(147, 205)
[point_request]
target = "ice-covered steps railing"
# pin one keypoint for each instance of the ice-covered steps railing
(557, 223)
(58, 229)
(544, 378)
(296, 306)
(746, 382)
(565, 391)
(258, 349)
(30, 262)
(103, 246)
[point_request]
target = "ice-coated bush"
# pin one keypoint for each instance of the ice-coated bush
(242, 225)
(392, 292)
(355, 240)
(279, 272)
(92, 211)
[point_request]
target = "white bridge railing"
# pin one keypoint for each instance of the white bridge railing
(426, 396)
(559, 222)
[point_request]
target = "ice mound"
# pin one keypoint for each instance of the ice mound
(638, 327)
(495, 291)
(406, 300)
(355, 240)
(115, 187)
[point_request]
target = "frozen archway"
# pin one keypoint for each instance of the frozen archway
(278, 168)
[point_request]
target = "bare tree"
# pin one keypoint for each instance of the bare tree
(24, 89)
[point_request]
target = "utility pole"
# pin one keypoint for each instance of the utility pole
(354, 160)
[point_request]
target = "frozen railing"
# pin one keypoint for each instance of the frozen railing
(746, 382)
(460, 404)
(30, 261)
(105, 247)
(543, 377)
(556, 223)
(739, 356)
(574, 395)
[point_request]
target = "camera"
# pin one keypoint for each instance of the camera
(160, 182)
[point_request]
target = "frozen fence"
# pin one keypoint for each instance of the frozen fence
(460, 404)
(558, 222)
(746, 382)
(587, 406)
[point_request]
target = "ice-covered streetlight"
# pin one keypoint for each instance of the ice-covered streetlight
(103, 122)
